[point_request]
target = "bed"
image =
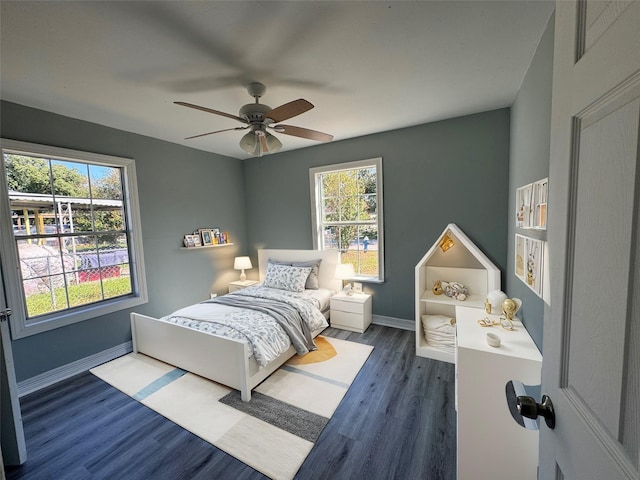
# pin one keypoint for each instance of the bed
(225, 360)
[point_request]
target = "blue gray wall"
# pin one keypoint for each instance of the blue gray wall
(180, 189)
(452, 171)
(530, 142)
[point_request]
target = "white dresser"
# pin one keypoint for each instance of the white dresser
(491, 444)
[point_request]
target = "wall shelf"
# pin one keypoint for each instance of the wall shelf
(207, 246)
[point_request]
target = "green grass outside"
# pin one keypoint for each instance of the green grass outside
(368, 261)
(82, 294)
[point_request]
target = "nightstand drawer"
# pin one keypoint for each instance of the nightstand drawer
(347, 306)
(349, 321)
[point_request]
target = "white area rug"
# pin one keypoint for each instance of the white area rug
(310, 387)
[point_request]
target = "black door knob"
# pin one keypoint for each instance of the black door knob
(529, 408)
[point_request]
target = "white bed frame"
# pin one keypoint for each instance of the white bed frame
(220, 359)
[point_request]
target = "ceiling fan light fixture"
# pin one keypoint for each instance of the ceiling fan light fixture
(249, 142)
(258, 117)
(273, 144)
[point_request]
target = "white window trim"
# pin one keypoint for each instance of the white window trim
(20, 327)
(316, 213)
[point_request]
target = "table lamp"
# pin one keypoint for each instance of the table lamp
(242, 263)
(345, 271)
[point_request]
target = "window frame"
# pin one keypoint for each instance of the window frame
(21, 326)
(316, 208)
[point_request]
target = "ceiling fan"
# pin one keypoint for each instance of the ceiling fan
(259, 117)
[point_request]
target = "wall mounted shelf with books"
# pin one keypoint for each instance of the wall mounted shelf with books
(206, 237)
(207, 246)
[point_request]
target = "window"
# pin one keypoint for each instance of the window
(76, 245)
(346, 203)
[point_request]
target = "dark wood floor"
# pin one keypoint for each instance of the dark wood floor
(397, 421)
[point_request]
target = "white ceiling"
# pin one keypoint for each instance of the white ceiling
(367, 66)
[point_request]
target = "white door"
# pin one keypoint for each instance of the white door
(591, 347)
(12, 444)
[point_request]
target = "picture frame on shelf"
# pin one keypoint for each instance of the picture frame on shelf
(197, 241)
(188, 241)
(206, 237)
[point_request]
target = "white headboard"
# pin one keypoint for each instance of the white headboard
(326, 275)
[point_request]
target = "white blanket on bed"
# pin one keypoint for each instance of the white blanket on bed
(266, 339)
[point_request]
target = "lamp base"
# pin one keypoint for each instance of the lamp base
(243, 276)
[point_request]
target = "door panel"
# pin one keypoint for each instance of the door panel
(604, 203)
(598, 17)
(591, 334)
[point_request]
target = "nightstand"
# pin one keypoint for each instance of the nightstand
(351, 312)
(239, 285)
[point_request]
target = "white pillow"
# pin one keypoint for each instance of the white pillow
(286, 277)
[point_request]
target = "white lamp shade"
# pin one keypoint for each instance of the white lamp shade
(345, 271)
(242, 263)
(249, 142)
(273, 144)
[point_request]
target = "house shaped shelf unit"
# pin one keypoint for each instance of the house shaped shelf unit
(462, 262)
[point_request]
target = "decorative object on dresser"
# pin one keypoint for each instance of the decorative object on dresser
(351, 311)
(462, 265)
(345, 271)
(493, 303)
(510, 307)
(242, 263)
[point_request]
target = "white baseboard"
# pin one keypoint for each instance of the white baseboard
(401, 323)
(45, 379)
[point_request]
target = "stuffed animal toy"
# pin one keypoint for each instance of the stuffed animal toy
(437, 287)
(455, 290)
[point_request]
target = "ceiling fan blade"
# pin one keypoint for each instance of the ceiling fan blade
(304, 133)
(210, 110)
(289, 110)
(217, 131)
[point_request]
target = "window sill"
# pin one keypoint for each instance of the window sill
(69, 317)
